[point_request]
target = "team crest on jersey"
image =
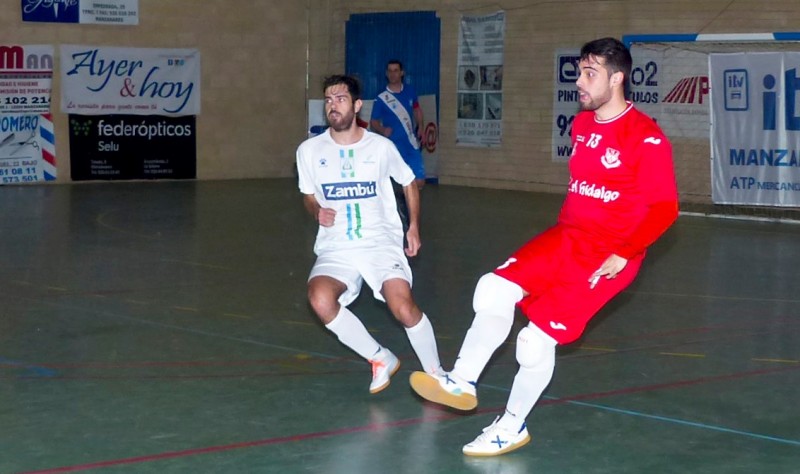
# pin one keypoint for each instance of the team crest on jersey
(611, 159)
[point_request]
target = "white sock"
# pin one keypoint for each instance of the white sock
(529, 384)
(494, 303)
(352, 333)
(424, 344)
(483, 338)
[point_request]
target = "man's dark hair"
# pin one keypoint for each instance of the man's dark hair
(394, 61)
(353, 84)
(614, 52)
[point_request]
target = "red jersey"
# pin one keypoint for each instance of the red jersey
(622, 190)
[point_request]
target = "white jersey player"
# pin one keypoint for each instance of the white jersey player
(345, 176)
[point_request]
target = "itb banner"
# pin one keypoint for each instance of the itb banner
(755, 133)
(120, 147)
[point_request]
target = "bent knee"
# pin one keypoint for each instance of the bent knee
(495, 292)
(406, 312)
(324, 299)
(535, 349)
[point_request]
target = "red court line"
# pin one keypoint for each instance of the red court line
(188, 363)
(176, 377)
(670, 385)
(446, 415)
(247, 444)
(722, 338)
(771, 324)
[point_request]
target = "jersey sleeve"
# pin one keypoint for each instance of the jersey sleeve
(305, 178)
(655, 178)
(659, 217)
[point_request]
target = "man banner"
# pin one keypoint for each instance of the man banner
(27, 138)
(26, 76)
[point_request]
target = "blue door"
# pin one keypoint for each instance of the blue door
(372, 39)
(413, 38)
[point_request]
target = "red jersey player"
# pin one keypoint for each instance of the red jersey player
(621, 197)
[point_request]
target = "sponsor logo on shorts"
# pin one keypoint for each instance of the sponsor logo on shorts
(356, 190)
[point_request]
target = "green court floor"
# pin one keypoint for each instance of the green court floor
(164, 328)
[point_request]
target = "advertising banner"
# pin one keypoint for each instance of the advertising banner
(104, 12)
(671, 85)
(565, 102)
(99, 80)
(755, 133)
(26, 76)
(27, 149)
(123, 147)
(480, 80)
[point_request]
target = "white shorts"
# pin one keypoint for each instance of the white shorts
(353, 267)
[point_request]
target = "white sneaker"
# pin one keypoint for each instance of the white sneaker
(495, 440)
(382, 371)
(445, 389)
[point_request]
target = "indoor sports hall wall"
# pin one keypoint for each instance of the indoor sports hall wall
(262, 60)
(534, 30)
(253, 62)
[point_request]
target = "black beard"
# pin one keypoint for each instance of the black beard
(342, 124)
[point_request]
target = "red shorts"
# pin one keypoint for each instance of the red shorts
(554, 269)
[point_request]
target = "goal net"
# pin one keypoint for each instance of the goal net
(670, 82)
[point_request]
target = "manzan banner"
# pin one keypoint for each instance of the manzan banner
(755, 132)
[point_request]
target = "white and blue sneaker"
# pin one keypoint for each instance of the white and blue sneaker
(495, 441)
(382, 370)
(445, 388)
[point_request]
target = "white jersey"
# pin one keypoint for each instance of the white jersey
(354, 180)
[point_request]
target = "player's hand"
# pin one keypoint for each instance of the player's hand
(421, 139)
(412, 237)
(387, 132)
(326, 216)
(609, 269)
